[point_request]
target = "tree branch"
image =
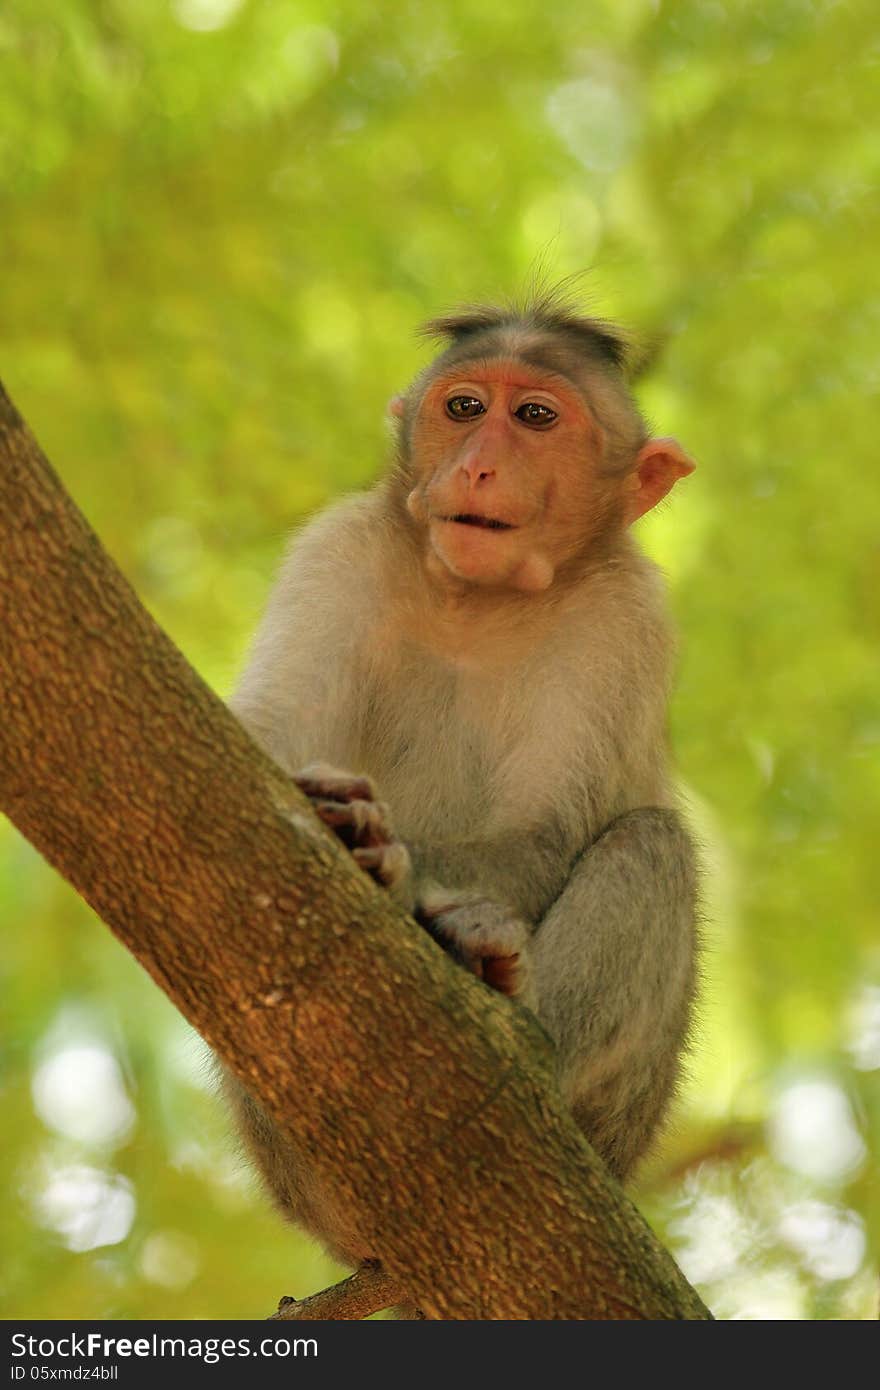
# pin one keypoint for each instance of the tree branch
(427, 1103)
(367, 1291)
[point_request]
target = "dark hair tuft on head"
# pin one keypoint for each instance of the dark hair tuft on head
(551, 311)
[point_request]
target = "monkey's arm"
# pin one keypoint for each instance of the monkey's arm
(613, 969)
(298, 693)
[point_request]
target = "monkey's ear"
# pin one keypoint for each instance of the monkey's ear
(396, 407)
(659, 465)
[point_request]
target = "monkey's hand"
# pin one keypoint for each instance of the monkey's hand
(348, 804)
(485, 937)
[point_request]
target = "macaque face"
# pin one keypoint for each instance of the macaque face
(505, 465)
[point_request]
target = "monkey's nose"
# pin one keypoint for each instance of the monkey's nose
(477, 468)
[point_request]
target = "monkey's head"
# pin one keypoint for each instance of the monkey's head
(522, 452)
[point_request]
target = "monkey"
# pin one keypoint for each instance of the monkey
(479, 644)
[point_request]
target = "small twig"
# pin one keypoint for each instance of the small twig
(366, 1291)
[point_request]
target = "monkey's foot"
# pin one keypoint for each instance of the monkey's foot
(483, 936)
(348, 804)
(367, 1291)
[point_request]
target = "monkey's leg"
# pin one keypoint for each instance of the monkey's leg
(367, 1291)
(613, 966)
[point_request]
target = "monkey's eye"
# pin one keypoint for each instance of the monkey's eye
(464, 407)
(535, 414)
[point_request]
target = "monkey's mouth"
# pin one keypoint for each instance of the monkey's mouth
(488, 523)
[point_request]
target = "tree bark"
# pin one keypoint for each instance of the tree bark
(426, 1100)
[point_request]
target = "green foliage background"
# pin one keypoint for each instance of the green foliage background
(221, 222)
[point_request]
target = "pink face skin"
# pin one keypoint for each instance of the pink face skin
(508, 483)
